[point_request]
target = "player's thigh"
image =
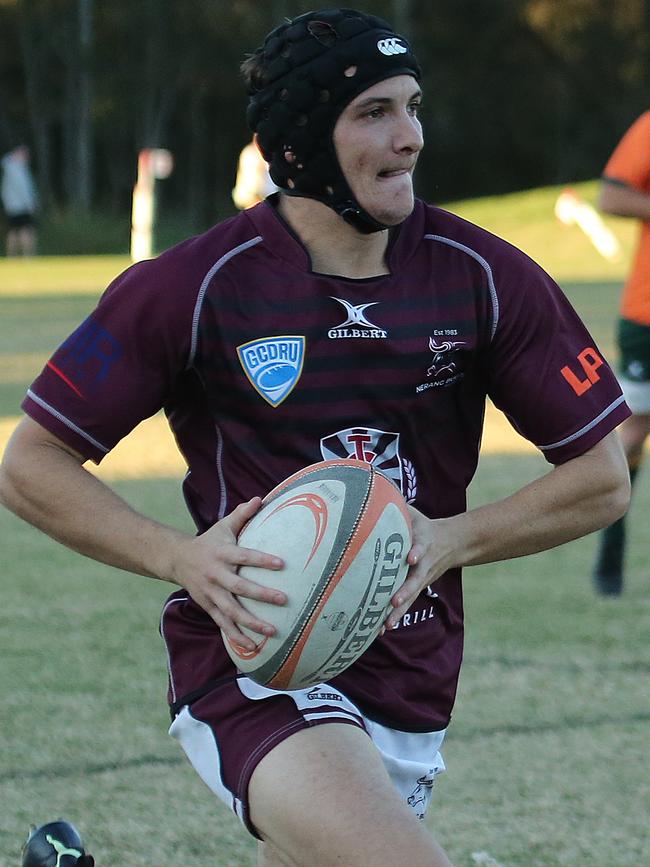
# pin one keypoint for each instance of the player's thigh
(323, 796)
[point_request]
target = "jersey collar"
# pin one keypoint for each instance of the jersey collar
(282, 241)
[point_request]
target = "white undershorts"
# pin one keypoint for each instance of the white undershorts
(637, 395)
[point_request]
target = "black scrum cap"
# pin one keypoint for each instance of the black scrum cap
(304, 90)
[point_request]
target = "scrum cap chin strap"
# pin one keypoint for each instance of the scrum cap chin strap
(306, 88)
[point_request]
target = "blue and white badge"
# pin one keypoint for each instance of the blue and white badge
(273, 365)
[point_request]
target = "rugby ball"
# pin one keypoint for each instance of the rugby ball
(344, 532)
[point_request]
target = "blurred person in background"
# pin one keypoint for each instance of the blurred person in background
(20, 202)
(253, 182)
(625, 192)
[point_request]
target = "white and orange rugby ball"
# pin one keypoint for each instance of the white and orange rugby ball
(344, 532)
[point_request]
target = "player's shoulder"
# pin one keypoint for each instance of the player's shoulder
(632, 149)
(450, 230)
(195, 257)
(642, 123)
(178, 273)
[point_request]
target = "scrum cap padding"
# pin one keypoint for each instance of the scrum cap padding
(305, 89)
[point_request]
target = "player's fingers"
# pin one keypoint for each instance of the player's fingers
(230, 615)
(241, 586)
(235, 636)
(239, 516)
(233, 557)
(404, 597)
(240, 556)
(414, 555)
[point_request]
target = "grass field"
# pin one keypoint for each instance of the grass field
(547, 752)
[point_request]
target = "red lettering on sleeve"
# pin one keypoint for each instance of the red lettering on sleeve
(589, 361)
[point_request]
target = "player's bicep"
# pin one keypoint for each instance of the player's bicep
(34, 463)
(29, 435)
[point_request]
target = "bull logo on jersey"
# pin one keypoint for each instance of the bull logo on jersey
(444, 369)
(377, 447)
(444, 362)
(273, 365)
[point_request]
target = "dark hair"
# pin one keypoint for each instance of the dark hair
(253, 71)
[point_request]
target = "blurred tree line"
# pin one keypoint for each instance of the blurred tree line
(518, 93)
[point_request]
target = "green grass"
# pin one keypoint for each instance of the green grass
(547, 752)
(527, 220)
(58, 275)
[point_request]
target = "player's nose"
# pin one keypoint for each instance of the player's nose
(408, 134)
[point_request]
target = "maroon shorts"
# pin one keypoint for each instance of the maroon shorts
(228, 732)
(226, 723)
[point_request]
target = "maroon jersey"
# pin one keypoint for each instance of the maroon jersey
(263, 367)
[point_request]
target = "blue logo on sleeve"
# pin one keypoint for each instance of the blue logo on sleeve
(273, 365)
(87, 357)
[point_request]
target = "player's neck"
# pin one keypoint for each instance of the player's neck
(333, 245)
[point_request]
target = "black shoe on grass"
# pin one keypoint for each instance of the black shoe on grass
(56, 844)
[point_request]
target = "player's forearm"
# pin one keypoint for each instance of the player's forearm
(574, 499)
(621, 200)
(50, 489)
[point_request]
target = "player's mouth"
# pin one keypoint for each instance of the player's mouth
(395, 173)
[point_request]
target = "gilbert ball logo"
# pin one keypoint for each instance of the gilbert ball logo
(273, 365)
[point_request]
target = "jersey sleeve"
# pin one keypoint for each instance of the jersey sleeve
(119, 366)
(546, 372)
(630, 160)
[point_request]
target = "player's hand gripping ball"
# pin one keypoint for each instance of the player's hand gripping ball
(56, 844)
(344, 532)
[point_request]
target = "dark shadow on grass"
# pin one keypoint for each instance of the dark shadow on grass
(62, 771)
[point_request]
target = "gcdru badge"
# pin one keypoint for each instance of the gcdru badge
(273, 365)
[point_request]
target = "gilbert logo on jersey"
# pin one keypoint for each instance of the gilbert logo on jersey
(273, 365)
(357, 323)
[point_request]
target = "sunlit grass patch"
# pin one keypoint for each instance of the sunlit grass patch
(58, 275)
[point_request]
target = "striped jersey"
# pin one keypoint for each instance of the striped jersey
(263, 366)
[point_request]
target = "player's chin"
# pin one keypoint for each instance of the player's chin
(394, 213)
